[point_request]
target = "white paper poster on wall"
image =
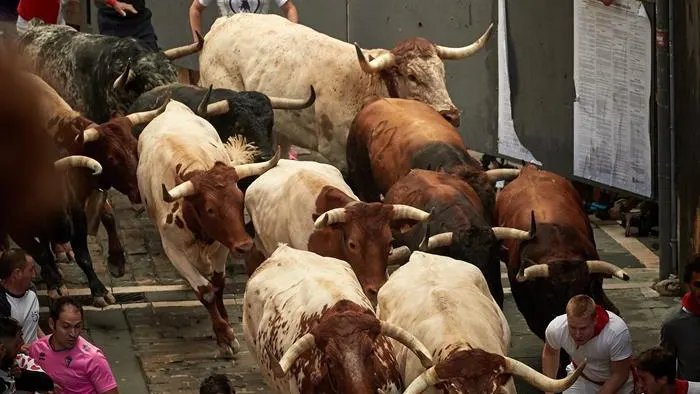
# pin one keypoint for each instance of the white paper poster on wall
(612, 75)
(508, 141)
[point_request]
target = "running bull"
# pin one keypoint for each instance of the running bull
(459, 225)
(270, 54)
(114, 148)
(309, 312)
(389, 137)
(308, 205)
(246, 114)
(561, 261)
(187, 178)
(447, 306)
(98, 75)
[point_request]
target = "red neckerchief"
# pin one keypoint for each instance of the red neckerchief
(681, 386)
(691, 304)
(601, 320)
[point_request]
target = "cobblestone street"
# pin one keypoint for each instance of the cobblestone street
(158, 337)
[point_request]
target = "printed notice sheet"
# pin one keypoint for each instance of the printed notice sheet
(612, 75)
(508, 141)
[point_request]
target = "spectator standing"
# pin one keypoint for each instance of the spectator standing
(17, 299)
(76, 365)
(230, 7)
(680, 333)
(587, 331)
(128, 18)
(656, 368)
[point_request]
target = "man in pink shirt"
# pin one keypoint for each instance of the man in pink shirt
(75, 365)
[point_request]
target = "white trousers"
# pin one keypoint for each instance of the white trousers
(584, 386)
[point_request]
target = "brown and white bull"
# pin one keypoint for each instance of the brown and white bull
(561, 261)
(272, 55)
(187, 179)
(308, 205)
(447, 306)
(309, 312)
(389, 137)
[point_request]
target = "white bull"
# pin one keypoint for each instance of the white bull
(308, 206)
(269, 54)
(447, 305)
(187, 178)
(309, 312)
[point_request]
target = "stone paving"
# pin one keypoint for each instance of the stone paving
(159, 339)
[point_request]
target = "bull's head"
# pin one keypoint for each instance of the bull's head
(250, 114)
(362, 236)
(352, 344)
(477, 371)
(414, 70)
(213, 204)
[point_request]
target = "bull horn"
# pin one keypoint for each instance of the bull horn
(78, 161)
(290, 103)
(89, 135)
(532, 272)
(502, 233)
(459, 53)
(146, 116)
(403, 212)
(436, 241)
(299, 347)
(335, 215)
(203, 108)
(409, 340)
(176, 53)
(182, 190)
(539, 380)
(400, 255)
(125, 77)
(603, 267)
(502, 174)
(425, 380)
(383, 61)
(218, 108)
(255, 169)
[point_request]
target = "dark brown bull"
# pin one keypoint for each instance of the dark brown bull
(561, 261)
(113, 146)
(458, 227)
(389, 137)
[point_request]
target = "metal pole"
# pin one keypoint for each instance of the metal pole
(672, 138)
(663, 138)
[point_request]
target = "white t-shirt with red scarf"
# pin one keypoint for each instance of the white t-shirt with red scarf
(612, 342)
(686, 387)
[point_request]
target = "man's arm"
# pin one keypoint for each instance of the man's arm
(100, 375)
(196, 18)
(118, 6)
(550, 361)
(39, 332)
(290, 11)
(112, 391)
(619, 373)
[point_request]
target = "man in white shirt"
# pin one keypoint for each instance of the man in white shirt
(589, 332)
(230, 7)
(17, 300)
(656, 368)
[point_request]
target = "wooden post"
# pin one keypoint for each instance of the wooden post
(696, 229)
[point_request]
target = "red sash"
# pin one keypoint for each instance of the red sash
(691, 304)
(681, 386)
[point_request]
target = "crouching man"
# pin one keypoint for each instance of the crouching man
(589, 332)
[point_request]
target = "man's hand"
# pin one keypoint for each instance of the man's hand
(24, 349)
(619, 373)
(121, 8)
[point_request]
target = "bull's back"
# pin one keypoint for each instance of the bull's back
(551, 197)
(436, 298)
(281, 202)
(394, 130)
(286, 292)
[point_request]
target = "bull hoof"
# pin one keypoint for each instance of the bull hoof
(63, 290)
(116, 264)
(110, 298)
(99, 302)
(60, 271)
(62, 258)
(225, 352)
